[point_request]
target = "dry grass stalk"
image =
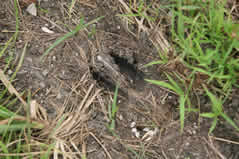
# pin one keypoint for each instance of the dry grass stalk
(69, 127)
(158, 39)
(11, 89)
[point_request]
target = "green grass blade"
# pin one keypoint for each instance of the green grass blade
(5, 113)
(179, 91)
(109, 111)
(70, 34)
(208, 115)
(216, 103)
(17, 19)
(113, 110)
(20, 62)
(230, 121)
(4, 149)
(162, 84)
(114, 105)
(12, 127)
(180, 22)
(190, 7)
(6, 46)
(154, 63)
(48, 152)
(182, 111)
(213, 126)
(57, 126)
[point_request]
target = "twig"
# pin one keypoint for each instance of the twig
(85, 98)
(53, 23)
(107, 153)
(10, 87)
(224, 140)
(210, 144)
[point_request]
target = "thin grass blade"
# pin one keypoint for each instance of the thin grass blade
(216, 103)
(230, 121)
(182, 111)
(4, 149)
(154, 63)
(213, 126)
(179, 91)
(162, 84)
(208, 115)
(66, 36)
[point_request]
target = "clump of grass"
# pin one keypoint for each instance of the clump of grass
(203, 42)
(181, 92)
(15, 126)
(206, 42)
(217, 111)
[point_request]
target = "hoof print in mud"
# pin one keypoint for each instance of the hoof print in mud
(109, 70)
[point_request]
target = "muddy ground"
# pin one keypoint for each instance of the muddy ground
(71, 69)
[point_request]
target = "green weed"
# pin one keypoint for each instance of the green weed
(140, 10)
(79, 27)
(204, 45)
(217, 111)
(206, 42)
(183, 96)
(112, 110)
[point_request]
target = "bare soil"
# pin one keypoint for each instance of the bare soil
(64, 78)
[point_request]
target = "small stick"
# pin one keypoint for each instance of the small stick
(107, 153)
(10, 87)
(210, 144)
(224, 140)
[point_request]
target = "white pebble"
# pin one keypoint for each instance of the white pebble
(132, 124)
(146, 129)
(137, 134)
(9, 72)
(46, 30)
(45, 72)
(134, 130)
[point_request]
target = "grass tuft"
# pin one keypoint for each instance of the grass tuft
(206, 42)
(183, 96)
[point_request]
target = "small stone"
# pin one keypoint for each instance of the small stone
(29, 59)
(54, 58)
(59, 96)
(132, 125)
(146, 129)
(134, 130)
(42, 84)
(137, 134)
(119, 101)
(9, 72)
(45, 72)
(31, 9)
(46, 30)
(121, 117)
(194, 132)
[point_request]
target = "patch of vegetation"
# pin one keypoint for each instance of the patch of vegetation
(206, 43)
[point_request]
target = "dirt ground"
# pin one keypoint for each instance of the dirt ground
(70, 74)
